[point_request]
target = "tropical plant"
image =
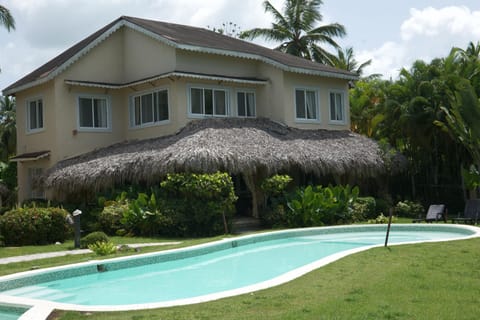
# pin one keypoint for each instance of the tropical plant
(297, 30)
(6, 19)
(317, 206)
(92, 238)
(345, 59)
(8, 137)
(461, 121)
(103, 248)
(228, 29)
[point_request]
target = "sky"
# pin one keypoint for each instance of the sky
(392, 33)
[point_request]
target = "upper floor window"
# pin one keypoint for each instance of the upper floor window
(306, 104)
(208, 102)
(337, 107)
(149, 108)
(94, 112)
(34, 115)
(246, 104)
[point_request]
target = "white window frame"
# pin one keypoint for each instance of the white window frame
(132, 116)
(317, 104)
(28, 117)
(246, 92)
(35, 193)
(213, 88)
(343, 107)
(107, 99)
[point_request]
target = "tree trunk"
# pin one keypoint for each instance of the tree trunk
(250, 182)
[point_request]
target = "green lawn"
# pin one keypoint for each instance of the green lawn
(423, 281)
(52, 262)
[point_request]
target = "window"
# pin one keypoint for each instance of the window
(93, 112)
(34, 175)
(337, 107)
(306, 104)
(34, 115)
(245, 104)
(208, 102)
(149, 108)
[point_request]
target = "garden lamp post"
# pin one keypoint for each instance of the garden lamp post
(76, 224)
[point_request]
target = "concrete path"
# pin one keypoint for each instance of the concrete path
(54, 254)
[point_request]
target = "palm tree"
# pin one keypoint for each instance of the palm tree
(6, 19)
(345, 60)
(7, 128)
(296, 28)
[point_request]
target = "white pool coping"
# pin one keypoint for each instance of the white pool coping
(41, 309)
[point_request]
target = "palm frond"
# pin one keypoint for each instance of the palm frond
(6, 19)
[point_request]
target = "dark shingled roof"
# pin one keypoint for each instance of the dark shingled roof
(188, 38)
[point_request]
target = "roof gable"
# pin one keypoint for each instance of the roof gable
(181, 37)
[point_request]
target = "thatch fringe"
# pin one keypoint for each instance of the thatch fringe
(231, 145)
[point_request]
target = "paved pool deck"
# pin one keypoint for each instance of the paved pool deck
(38, 256)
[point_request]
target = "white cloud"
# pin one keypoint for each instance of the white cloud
(432, 22)
(386, 60)
(427, 34)
(47, 27)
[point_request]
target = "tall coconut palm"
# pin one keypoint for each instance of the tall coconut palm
(6, 19)
(298, 31)
(345, 59)
(7, 128)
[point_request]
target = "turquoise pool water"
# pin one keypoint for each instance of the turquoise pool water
(10, 313)
(232, 264)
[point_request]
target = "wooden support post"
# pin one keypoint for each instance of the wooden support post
(388, 227)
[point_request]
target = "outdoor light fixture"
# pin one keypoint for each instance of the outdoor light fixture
(76, 221)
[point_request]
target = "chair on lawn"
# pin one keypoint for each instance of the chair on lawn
(471, 213)
(436, 212)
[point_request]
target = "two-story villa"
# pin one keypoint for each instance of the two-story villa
(111, 108)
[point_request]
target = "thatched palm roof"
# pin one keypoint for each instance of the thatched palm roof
(232, 145)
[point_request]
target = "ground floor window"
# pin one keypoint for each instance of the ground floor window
(35, 191)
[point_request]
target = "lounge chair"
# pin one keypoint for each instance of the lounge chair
(471, 214)
(436, 212)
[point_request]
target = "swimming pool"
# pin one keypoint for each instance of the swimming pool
(11, 312)
(211, 271)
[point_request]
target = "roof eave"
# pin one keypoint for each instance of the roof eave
(164, 76)
(122, 22)
(59, 69)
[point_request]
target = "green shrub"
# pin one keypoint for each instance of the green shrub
(382, 206)
(409, 209)
(103, 248)
(196, 203)
(111, 216)
(381, 219)
(275, 191)
(364, 208)
(317, 206)
(276, 185)
(92, 238)
(32, 226)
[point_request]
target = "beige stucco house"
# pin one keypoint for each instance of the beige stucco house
(136, 79)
